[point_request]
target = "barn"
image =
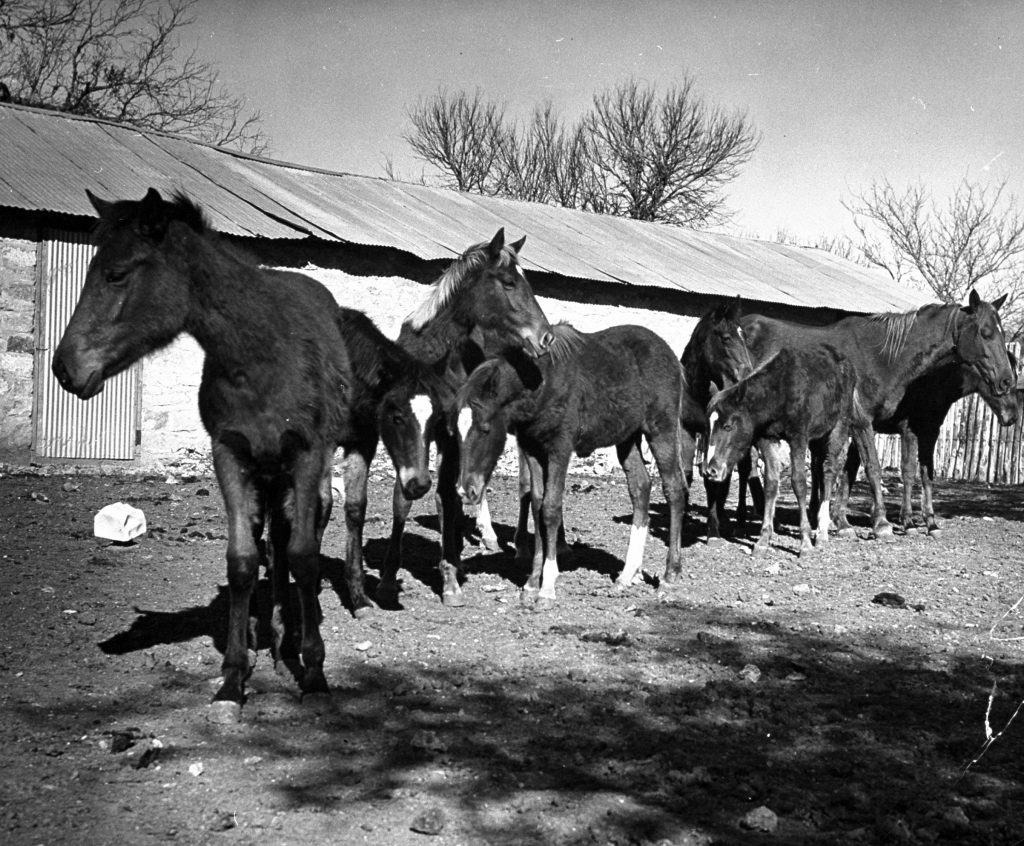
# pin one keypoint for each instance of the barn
(375, 243)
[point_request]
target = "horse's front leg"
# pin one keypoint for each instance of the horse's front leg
(674, 486)
(356, 468)
(524, 550)
(246, 515)
(772, 473)
(303, 551)
(449, 511)
(908, 473)
(533, 582)
(798, 474)
(388, 588)
(926, 463)
(864, 437)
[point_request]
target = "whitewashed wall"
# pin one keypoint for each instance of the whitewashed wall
(170, 413)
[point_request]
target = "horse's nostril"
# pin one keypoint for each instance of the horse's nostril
(547, 339)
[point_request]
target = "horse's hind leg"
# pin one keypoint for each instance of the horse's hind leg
(908, 473)
(304, 563)
(356, 469)
(673, 483)
(638, 481)
(245, 515)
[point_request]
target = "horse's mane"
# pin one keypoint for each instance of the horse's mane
(898, 326)
(451, 281)
(376, 359)
(180, 207)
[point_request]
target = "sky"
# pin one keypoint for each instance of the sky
(843, 93)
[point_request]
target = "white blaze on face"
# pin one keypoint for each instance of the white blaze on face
(465, 422)
(712, 420)
(422, 408)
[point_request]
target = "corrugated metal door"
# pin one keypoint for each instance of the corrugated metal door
(66, 427)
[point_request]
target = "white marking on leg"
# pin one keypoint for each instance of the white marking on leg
(634, 556)
(824, 521)
(465, 422)
(422, 408)
(549, 575)
(712, 420)
(483, 521)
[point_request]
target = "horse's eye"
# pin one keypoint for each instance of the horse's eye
(484, 427)
(986, 333)
(117, 276)
(508, 282)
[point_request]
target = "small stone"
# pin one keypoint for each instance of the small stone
(751, 673)
(222, 821)
(760, 819)
(432, 821)
(801, 589)
(196, 769)
(773, 570)
(203, 492)
(363, 645)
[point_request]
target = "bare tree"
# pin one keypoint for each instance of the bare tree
(121, 60)
(634, 154)
(974, 240)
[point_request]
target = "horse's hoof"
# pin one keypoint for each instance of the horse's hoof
(757, 550)
(715, 542)
(885, 535)
(806, 551)
(453, 600)
(314, 682)
(318, 701)
(935, 534)
(544, 603)
(529, 596)
(224, 712)
(847, 534)
(364, 611)
(671, 577)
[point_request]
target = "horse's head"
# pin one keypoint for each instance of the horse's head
(1006, 406)
(730, 432)
(979, 341)
(717, 351)
(135, 297)
(483, 421)
(404, 418)
(485, 289)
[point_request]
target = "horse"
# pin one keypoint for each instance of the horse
(715, 357)
(888, 352)
(278, 395)
(918, 419)
(595, 390)
(482, 305)
(808, 397)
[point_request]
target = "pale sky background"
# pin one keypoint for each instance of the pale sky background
(843, 92)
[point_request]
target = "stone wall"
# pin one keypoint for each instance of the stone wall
(18, 256)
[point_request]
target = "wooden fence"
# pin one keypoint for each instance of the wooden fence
(972, 446)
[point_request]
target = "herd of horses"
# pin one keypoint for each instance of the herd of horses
(289, 377)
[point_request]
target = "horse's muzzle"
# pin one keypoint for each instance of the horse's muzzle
(86, 389)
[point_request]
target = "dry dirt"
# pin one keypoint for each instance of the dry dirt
(764, 700)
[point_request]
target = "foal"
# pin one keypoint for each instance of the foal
(809, 398)
(595, 390)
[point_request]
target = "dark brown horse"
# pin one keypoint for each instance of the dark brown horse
(608, 388)
(715, 357)
(918, 419)
(278, 394)
(890, 351)
(482, 305)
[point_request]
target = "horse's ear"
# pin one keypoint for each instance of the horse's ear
(518, 245)
(101, 206)
(497, 243)
(997, 303)
(973, 299)
(492, 385)
(153, 216)
(732, 313)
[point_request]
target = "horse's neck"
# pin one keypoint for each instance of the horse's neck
(929, 344)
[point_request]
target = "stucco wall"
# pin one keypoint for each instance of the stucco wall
(170, 420)
(18, 257)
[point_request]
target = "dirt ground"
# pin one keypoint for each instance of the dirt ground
(764, 700)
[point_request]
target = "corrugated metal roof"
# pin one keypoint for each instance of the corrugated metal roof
(51, 158)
